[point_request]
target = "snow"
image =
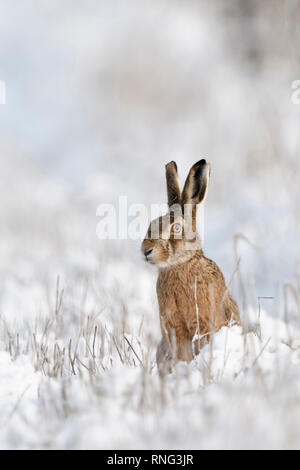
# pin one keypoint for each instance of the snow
(99, 98)
(240, 392)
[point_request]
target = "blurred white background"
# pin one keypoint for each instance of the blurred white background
(100, 95)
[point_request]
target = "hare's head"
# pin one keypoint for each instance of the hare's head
(172, 238)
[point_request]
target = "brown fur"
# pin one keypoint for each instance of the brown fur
(173, 188)
(192, 294)
(178, 287)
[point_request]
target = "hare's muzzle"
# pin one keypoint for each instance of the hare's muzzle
(147, 253)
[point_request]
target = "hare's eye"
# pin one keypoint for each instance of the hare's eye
(177, 228)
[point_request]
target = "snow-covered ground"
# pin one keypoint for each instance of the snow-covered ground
(99, 98)
(243, 393)
(78, 331)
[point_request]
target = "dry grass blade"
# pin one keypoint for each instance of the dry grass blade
(133, 350)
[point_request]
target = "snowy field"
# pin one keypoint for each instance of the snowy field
(99, 98)
(79, 327)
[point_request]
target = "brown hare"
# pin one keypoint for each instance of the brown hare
(192, 295)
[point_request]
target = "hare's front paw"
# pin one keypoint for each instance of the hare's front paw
(163, 358)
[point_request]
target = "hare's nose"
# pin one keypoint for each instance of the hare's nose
(148, 252)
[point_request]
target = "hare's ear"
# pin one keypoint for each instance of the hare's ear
(196, 184)
(173, 188)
